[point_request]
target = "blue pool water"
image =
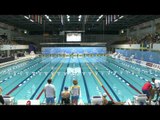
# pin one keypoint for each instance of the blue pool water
(121, 79)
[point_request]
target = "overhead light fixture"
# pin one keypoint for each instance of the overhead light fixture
(50, 20)
(31, 20)
(46, 16)
(79, 17)
(115, 20)
(68, 16)
(99, 17)
(122, 31)
(25, 31)
(26, 17)
(62, 19)
(121, 17)
(68, 19)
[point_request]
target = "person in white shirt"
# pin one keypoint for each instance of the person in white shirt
(50, 92)
(157, 87)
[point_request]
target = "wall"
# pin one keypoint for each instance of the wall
(85, 38)
(13, 47)
(11, 31)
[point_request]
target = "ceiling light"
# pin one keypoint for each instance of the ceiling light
(26, 17)
(47, 16)
(115, 20)
(79, 16)
(121, 17)
(79, 19)
(31, 20)
(25, 31)
(62, 19)
(50, 20)
(122, 31)
(100, 16)
(68, 16)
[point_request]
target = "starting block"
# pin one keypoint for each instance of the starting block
(28, 102)
(96, 100)
(8, 100)
(140, 99)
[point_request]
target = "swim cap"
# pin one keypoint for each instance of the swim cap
(104, 94)
(66, 88)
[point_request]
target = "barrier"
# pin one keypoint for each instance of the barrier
(28, 102)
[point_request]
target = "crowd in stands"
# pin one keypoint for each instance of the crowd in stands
(4, 39)
(147, 39)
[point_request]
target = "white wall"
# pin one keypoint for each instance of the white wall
(156, 46)
(13, 47)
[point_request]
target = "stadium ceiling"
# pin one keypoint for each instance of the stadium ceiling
(90, 24)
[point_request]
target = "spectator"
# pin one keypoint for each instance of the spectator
(157, 87)
(49, 91)
(75, 92)
(147, 87)
(65, 96)
(1, 98)
(105, 101)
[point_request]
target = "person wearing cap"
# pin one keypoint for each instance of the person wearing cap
(106, 102)
(1, 98)
(157, 87)
(75, 92)
(65, 96)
